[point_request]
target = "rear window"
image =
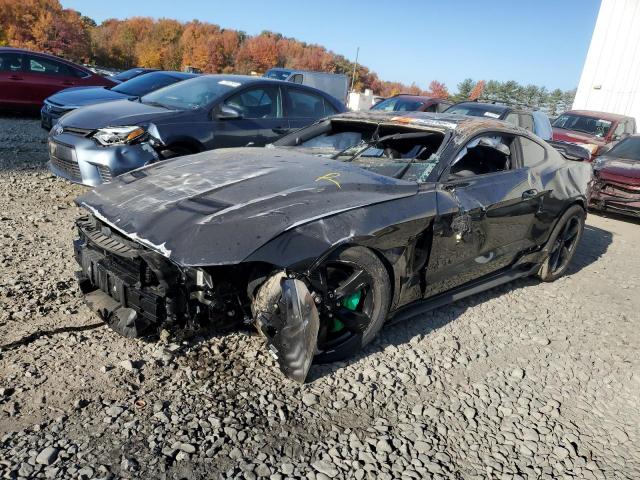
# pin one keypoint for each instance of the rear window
(398, 104)
(476, 110)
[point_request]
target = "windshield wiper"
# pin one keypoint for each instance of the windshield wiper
(400, 173)
(154, 104)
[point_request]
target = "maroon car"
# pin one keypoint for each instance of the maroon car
(412, 103)
(593, 130)
(27, 78)
(617, 178)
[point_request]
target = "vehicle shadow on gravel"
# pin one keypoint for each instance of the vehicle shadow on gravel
(47, 333)
(593, 245)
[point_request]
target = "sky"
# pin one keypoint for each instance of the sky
(540, 42)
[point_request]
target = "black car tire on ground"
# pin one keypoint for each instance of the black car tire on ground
(376, 301)
(563, 243)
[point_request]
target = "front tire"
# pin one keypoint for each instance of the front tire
(356, 295)
(563, 243)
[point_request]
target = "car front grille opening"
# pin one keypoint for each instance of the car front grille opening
(63, 157)
(105, 173)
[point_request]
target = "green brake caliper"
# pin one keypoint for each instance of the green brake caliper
(350, 302)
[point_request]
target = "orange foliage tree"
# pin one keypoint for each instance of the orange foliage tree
(476, 93)
(168, 44)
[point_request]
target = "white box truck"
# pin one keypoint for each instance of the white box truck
(335, 84)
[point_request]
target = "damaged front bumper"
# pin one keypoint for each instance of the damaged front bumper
(616, 197)
(78, 158)
(138, 292)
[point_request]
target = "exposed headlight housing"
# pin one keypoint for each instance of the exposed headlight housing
(592, 147)
(118, 135)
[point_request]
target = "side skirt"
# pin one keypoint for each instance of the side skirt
(423, 306)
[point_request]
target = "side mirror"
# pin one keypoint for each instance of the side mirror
(226, 112)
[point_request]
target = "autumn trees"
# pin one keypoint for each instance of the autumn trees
(168, 44)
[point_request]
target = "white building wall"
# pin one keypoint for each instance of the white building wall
(610, 80)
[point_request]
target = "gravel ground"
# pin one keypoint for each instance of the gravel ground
(528, 380)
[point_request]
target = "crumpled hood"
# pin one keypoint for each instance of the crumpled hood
(619, 170)
(563, 135)
(80, 96)
(120, 112)
(218, 207)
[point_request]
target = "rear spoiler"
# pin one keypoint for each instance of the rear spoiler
(571, 151)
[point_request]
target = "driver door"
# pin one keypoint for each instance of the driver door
(486, 212)
(259, 122)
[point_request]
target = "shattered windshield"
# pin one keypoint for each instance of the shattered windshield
(390, 150)
(581, 123)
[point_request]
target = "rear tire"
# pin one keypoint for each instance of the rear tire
(563, 243)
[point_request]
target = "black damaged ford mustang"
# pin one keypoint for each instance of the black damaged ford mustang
(322, 237)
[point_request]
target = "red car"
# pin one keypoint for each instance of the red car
(617, 178)
(27, 78)
(593, 130)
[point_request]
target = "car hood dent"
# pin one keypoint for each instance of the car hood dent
(218, 207)
(120, 112)
(80, 96)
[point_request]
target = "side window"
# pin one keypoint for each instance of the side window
(619, 131)
(526, 122)
(305, 104)
(513, 119)
(10, 62)
(631, 127)
(532, 153)
(431, 108)
(48, 67)
(482, 155)
(258, 102)
(329, 109)
(297, 78)
(442, 107)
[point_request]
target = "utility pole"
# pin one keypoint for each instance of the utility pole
(355, 66)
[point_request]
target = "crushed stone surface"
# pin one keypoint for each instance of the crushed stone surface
(527, 381)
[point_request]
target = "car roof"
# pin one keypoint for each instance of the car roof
(43, 54)
(430, 120)
(423, 98)
(176, 74)
(489, 107)
(614, 117)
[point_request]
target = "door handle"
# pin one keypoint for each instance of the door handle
(14, 77)
(528, 194)
(279, 130)
(68, 84)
